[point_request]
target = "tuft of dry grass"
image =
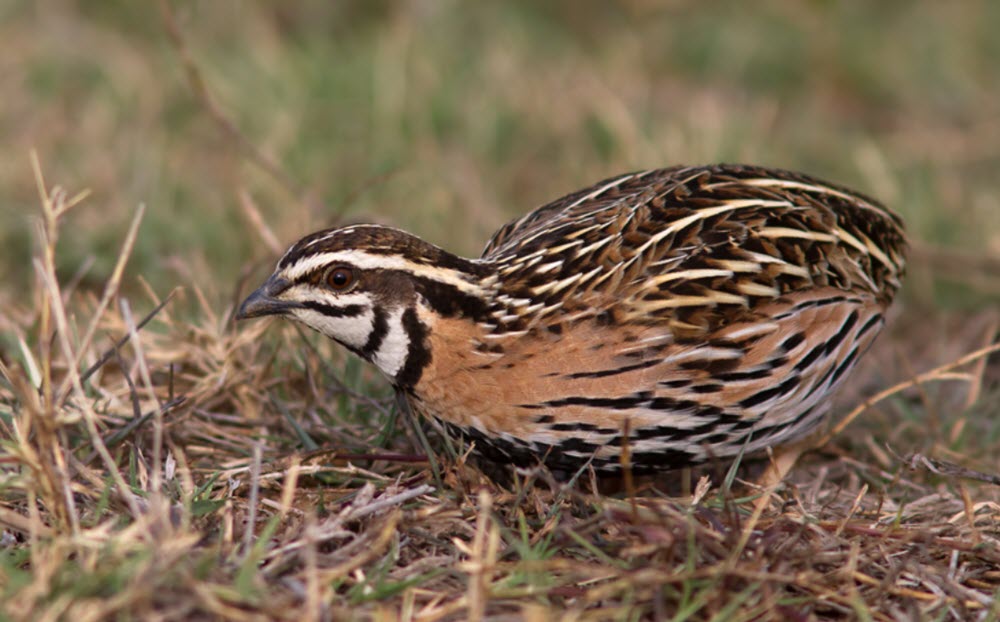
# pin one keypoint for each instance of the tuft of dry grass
(193, 471)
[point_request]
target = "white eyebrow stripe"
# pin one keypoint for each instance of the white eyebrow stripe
(332, 233)
(366, 261)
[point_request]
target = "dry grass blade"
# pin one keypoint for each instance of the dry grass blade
(48, 275)
(27, 525)
(991, 333)
(938, 373)
(258, 225)
(110, 290)
(945, 468)
(133, 332)
(248, 535)
(112, 351)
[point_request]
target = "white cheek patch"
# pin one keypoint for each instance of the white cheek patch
(352, 331)
(395, 347)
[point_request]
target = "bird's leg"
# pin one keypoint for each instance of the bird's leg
(781, 461)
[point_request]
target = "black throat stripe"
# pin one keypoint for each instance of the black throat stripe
(380, 328)
(418, 355)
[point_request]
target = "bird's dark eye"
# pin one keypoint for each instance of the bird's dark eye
(340, 278)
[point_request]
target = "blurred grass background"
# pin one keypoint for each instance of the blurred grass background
(448, 118)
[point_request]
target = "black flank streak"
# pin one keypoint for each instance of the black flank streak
(663, 459)
(576, 444)
(522, 453)
(734, 376)
(762, 396)
(843, 367)
(614, 403)
(845, 330)
(791, 342)
(813, 303)
(574, 427)
(643, 400)
(875, 320)
(716, 439)
(772, 430)
(675, 384)
(744, 424)
(617, 370)
(672, 434)
(714, 367)
(777, 362)
(806, 361)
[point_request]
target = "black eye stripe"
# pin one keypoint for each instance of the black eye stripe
(332, 311)
(313, 277)
(320, 276)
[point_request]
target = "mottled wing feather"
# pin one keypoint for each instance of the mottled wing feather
(695, 246)
(603, 194)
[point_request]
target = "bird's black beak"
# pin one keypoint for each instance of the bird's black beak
(264, 301)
